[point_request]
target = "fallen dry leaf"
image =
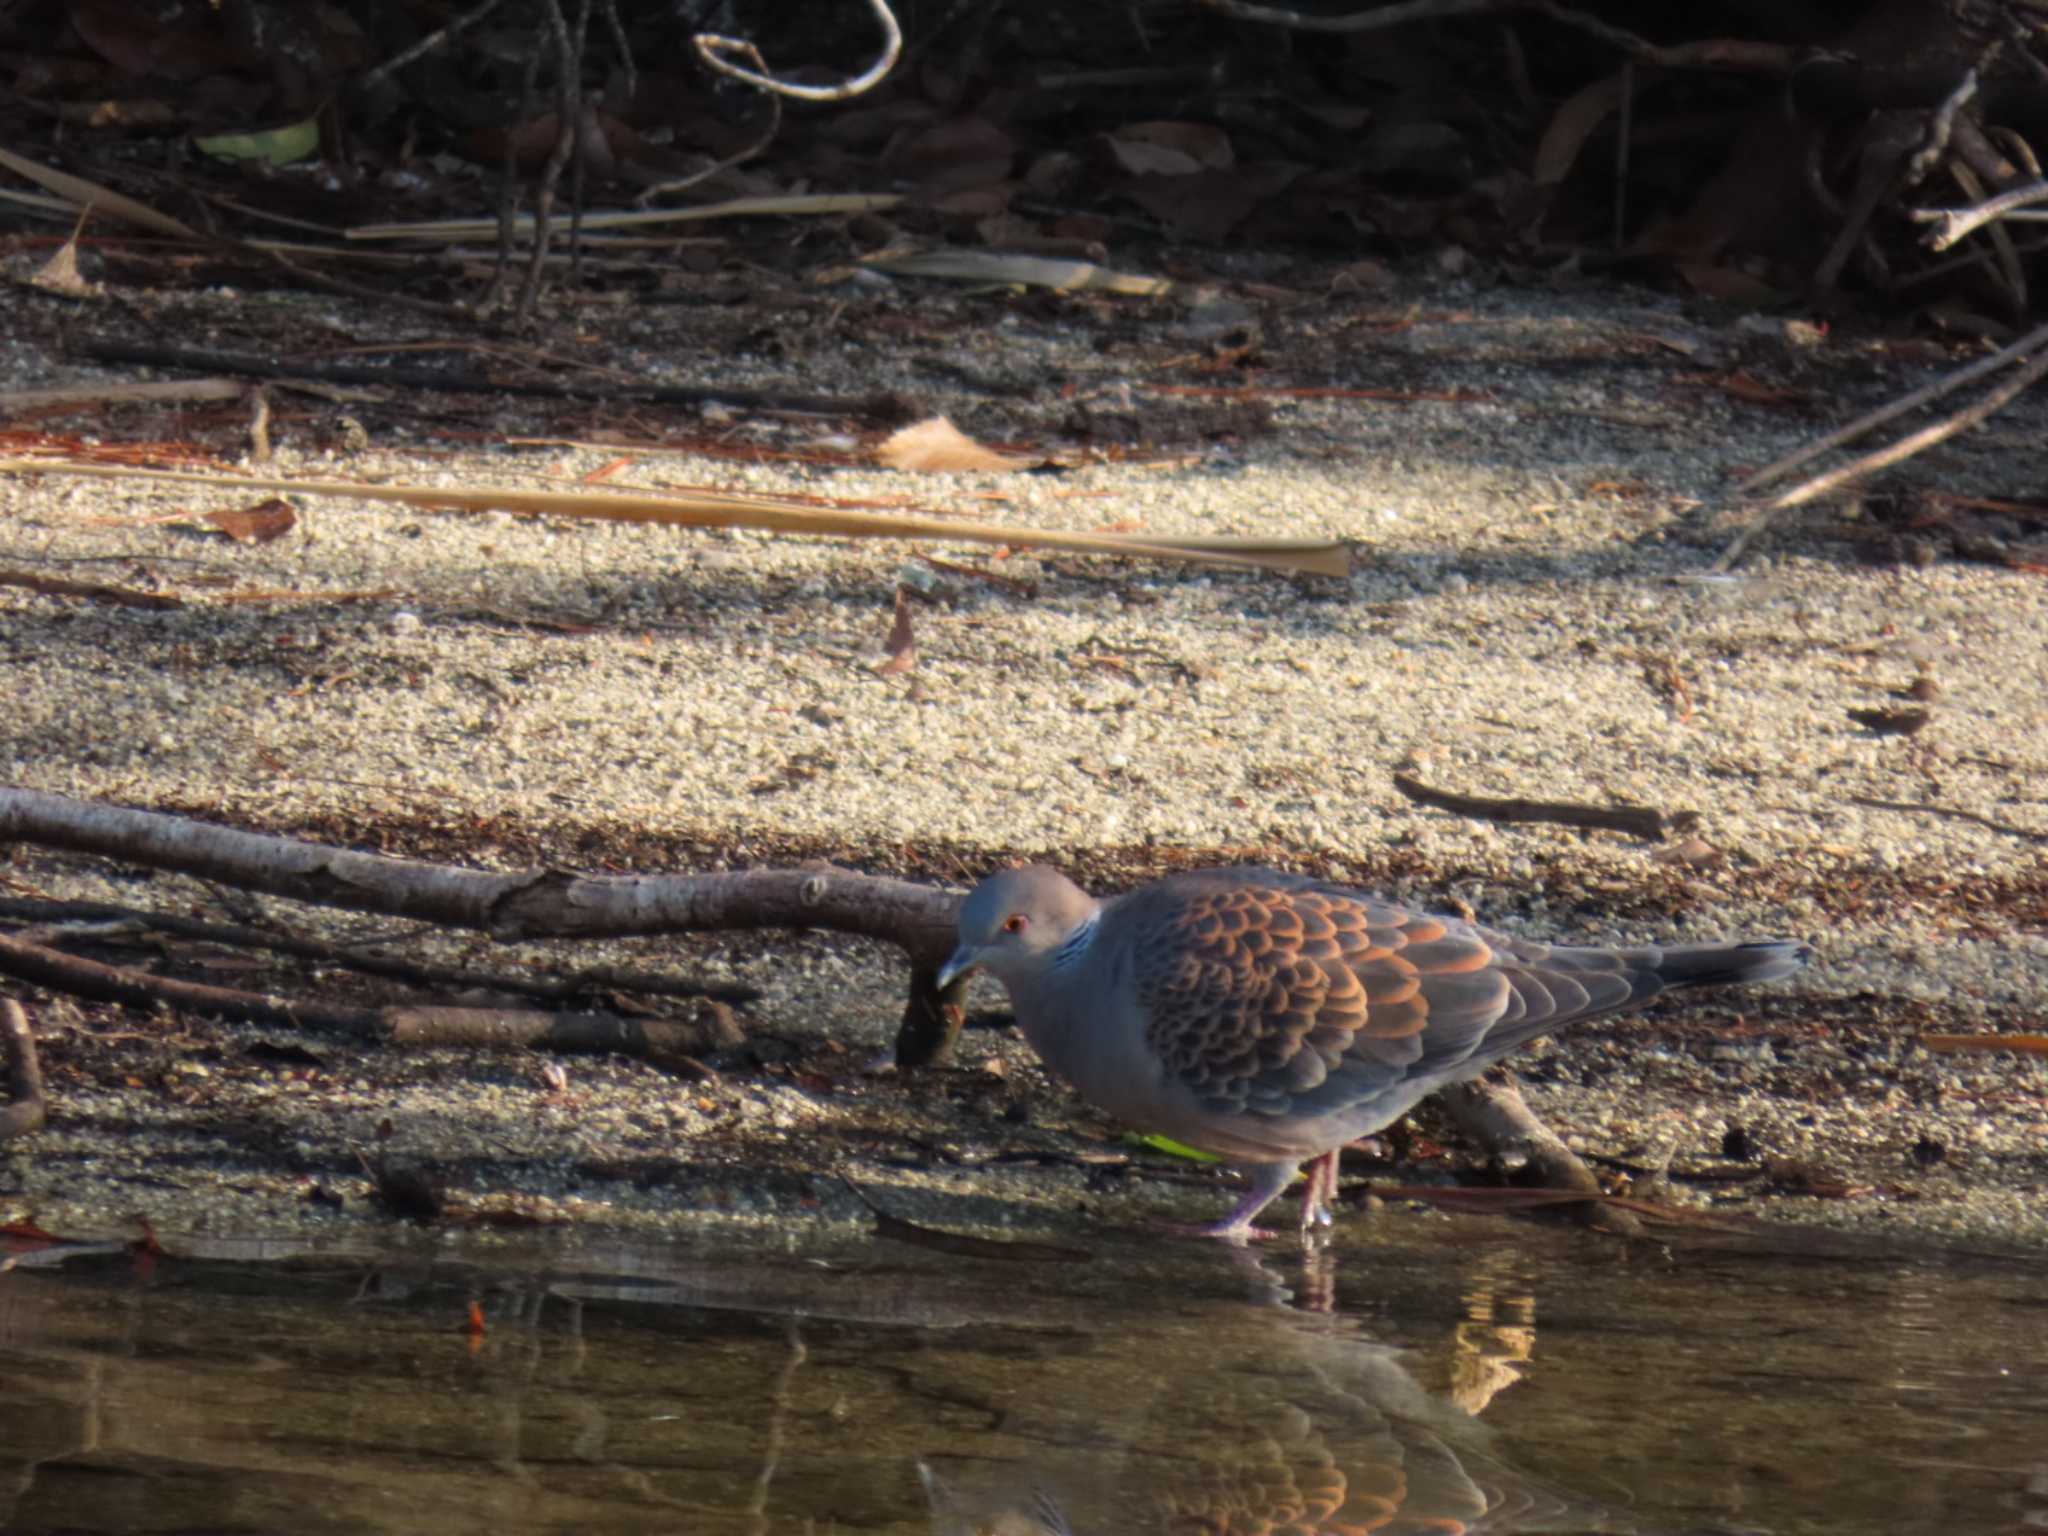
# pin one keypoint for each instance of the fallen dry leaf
(260, 523)
(936, 446)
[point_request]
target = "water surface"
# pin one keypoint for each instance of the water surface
(1423, 1374)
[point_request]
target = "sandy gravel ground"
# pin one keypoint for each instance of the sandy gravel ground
(1527, 616)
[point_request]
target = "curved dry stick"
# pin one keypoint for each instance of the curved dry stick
(533, 904)
(30, 1111)
(711, 46)
(543, 903)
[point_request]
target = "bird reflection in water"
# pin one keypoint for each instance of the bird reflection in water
(1289, 1423)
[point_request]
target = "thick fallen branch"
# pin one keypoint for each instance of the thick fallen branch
(1636, 820)
(29, 1109)
(534, 904)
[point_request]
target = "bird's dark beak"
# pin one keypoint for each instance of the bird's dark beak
(958, 964)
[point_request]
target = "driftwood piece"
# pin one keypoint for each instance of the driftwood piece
(1642, 821)
(29, 1110)
(1492, 1111)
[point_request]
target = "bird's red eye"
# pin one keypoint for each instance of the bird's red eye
(1016, 922)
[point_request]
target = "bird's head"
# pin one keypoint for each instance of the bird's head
(1013, 921)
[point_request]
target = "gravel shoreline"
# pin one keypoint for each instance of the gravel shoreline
(1526, 617)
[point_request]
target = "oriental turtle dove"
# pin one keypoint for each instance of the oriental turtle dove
(1270, 1019)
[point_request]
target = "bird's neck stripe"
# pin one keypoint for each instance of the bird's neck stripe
(1075, 944)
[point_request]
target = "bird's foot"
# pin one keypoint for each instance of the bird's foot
(1227, 1230)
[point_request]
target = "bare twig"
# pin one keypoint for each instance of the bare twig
(1378, 19)
(568, 132)
(717, 509)
(502, 1028)
(712, 48)
(371, 79)
(58, 586)
(1872, 420)
(538, 903)
(30, 1110)
(668, 188)
(1951, 813)
(351, 956)
(1940, 431)
(1955, 223)
(1942, 125)
(1731, 54)
(1635, 820)
(629, 71)
(1926, 437)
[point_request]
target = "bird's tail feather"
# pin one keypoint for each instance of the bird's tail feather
(1721, 965)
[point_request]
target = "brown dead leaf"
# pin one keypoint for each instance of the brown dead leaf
(935, 446)
(264, 522)
(901, 644)
(1207, 204)
(952, 156)
(1171, 149)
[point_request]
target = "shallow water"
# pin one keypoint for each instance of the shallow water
(1424, 1374)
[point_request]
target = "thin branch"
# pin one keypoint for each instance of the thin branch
(536, 903)
(435, 39)
(1942, 125)
(472, 1028)
(1493, 1113)
(349, 956)
(1955, 223)
(1635, 820)
(1872, 420)
(746, 153)
(1940, 432)
(1951, 813)
(712, 46)
(568, 127)
(1376, 20)
(1722, 53)
(1904, 448)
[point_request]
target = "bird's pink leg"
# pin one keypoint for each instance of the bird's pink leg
(1264, 1182)
(1320, 1190)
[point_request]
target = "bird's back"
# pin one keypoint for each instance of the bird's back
(1267, 996)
